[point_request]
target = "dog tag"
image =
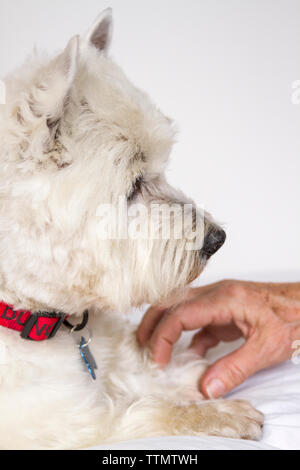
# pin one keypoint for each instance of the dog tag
(87, 357)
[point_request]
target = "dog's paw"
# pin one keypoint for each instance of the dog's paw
(236, 419)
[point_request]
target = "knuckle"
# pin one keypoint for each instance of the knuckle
(170, 323)
(236, 374)
(234, 289)
(170, 316)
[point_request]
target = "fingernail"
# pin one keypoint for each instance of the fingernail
(215, 388)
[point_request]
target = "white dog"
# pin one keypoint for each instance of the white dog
(76, 136)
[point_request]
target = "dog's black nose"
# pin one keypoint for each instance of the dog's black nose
(213, 241)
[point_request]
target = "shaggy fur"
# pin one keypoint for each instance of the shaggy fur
(75, 134)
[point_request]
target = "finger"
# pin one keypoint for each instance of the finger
(202, 341)
(231, 371)
(211, 336)
(155, 313)
(190, 315)
(148, 323)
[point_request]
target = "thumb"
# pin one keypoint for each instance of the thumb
(231, 371)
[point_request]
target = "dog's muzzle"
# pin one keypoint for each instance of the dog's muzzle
(213, 241)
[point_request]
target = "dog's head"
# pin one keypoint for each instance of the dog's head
(87, 217)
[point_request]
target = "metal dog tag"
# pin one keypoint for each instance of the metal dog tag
(87, 357)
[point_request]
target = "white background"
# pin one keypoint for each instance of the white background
(223, 69)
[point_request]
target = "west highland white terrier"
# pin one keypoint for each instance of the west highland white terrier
(82, 149)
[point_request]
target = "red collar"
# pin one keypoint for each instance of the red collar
(34, 326)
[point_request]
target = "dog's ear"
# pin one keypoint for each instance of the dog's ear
(67, 62)
(100, 34)
(40, 109)
(51, 92)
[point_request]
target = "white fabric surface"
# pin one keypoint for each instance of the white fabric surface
(275, 392)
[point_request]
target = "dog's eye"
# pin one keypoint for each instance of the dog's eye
(53, 125)
(136, 188)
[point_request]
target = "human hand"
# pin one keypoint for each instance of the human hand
(266, 315)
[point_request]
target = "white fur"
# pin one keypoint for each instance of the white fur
(76, 133)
